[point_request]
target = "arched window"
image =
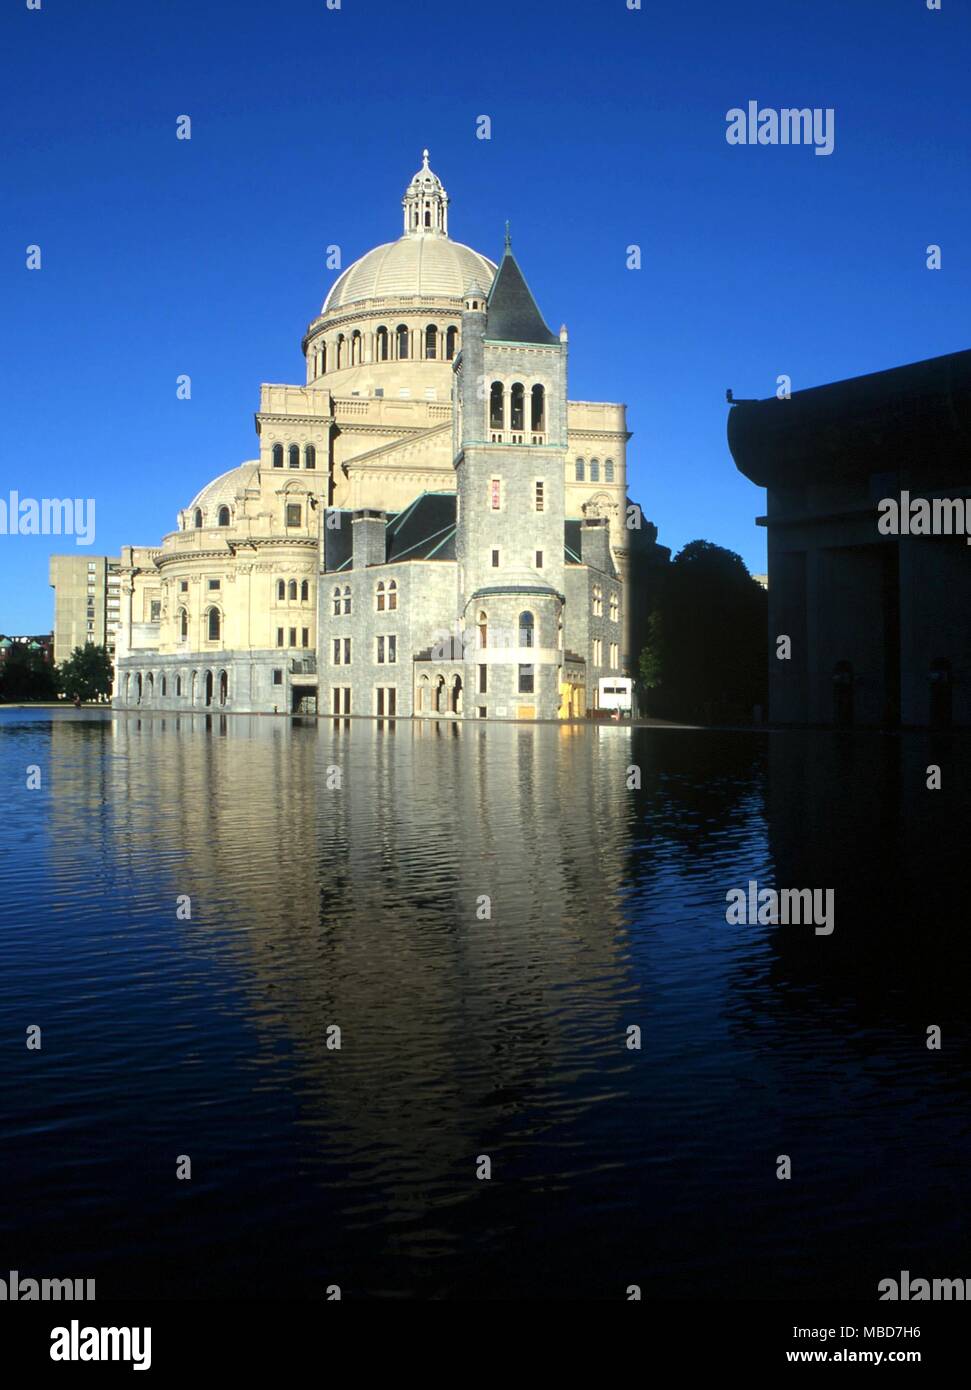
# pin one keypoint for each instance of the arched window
(292, 589)
(138, 688)
(382, 344)
(580, 470)
(278, 456)
(178, 686)
(431, 341)
(428, 217)
(341, 341)
(183, 624)
(525, 629)
(223, 687)
(223, 516)
(538, 408)
(165, 687)
(380, 596)
(451, 339)
(305, 592)
(337, 601)
(609, 471)
(198, 518)
(497, 407)
(355, 347)
(281, 590)
(595, 470)
(215, 624)
(517, 398)
(323, 358)
(392, 595)
(401, 333)
(309, 456)
(347, 598)
(293, 456)
(483, 626)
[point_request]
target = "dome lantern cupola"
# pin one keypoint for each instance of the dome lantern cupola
(425, 203)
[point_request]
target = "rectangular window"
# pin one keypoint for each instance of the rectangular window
(526, 680)
(305, 636)
(156, 611)
(482, 712)
(183, 586)
(539, 559)
(495, 559)
(214, 584)
(614, 655)
(539, 496)
(293, 513)
(495, 498)
(392, 650)
(347, 651)
(597, 651)
(337, 651)
(277, 676)
(483, 678)
(380, 642)
(279, 636)
(293, 637)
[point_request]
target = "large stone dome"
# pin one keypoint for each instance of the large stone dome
(224, 490)
(429, 267)
(423, 264)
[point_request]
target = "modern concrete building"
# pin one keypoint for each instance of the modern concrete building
(868, 515)
(397, 453)
(87, 602)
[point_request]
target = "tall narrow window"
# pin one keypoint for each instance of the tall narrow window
(380, 642)
(294, 456)
(223, 518)
(347, 598)
(382, 344)
(525, 629)
(496, 405)
(341, 351)
(495, 495)
(594, 471)
(293, 637)
(483, 678)
(580, 471)
(293, 513)
(183, 624)
(392, 595)
(323, 358)
(278, 456)
(539, 498)
(431, 341)
(309, 456)
(355, 348)
(281, 590)
(483, 630)
(401, 333)
(292, 590)
(609, 471)
(337, 602)
(451, 338)
(214, 624)
(305, 591)
(525, 680)
(198, 519)
(380, 596)
(305, 636)
(539, 559)
(517, 397)
(538, 408)
(495, 559)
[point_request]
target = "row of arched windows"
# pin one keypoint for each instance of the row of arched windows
(516, 420)
(210, 688)
(212, 622)
(285, 591)
(223, 518)
(292, 455)
(527, 628)
(594, 473)
(387, 345)
(385, 598)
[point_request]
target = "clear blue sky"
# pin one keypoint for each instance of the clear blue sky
(163, 257)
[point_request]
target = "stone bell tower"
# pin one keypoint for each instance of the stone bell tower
(510, 417)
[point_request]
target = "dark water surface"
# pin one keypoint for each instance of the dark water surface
(356, 906)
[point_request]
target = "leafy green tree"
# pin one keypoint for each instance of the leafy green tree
(706, 657)
(25, 675)
(86, 673)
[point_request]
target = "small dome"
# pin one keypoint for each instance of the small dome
(424, 267)
(5, 644)
(225, 489)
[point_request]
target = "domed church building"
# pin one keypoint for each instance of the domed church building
(431, 527)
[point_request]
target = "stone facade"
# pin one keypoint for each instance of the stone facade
(235, 607)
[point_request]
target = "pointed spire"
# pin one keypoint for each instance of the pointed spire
(508, 237)
(513, 313)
